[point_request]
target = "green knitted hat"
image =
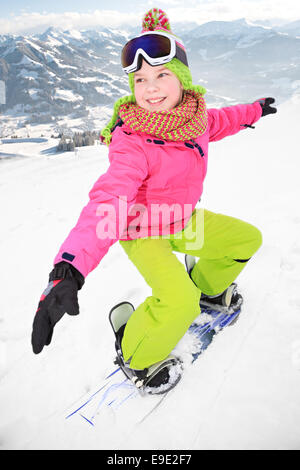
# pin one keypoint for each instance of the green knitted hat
(154, 20)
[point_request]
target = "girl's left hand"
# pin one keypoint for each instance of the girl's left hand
(265, 105)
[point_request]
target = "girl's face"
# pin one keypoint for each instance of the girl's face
(157, 88)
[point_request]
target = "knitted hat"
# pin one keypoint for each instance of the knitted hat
(154, 20)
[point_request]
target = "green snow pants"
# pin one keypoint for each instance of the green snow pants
(223, 245)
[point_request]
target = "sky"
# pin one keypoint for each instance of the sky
(20, 17)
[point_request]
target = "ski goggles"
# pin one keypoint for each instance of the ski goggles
(156, 47)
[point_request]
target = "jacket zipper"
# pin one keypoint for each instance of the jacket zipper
(198, 147)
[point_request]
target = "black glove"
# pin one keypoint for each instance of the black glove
(265, 105)
(59, 297)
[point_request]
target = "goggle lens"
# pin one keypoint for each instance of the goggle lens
(155, 46)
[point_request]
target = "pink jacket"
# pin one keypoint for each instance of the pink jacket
(150, 188)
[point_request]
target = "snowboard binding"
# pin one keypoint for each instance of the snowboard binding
(160, 377)
(228, 302)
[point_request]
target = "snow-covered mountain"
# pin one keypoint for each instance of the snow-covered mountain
(292, 29)
(77, 74)
(240, 61)
(61, 73)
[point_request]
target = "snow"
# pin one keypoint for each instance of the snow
(243, 393)
(73, 33)
(34, 93)
(27, 61)
(51, 41)
(34, 45)
(51, 58)
(66, 95)
(85, 79)
(30, 75)
(102, 90)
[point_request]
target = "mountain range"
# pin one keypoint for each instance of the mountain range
(76, 75)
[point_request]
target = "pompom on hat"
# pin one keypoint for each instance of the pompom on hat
(154, 20)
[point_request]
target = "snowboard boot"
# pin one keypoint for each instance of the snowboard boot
(156, 379)
(228, 301)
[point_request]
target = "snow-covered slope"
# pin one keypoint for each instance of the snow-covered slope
(242, 394)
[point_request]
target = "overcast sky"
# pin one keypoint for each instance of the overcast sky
(24, 16)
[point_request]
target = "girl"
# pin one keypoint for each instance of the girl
(158, 144)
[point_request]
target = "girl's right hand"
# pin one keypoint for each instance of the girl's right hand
(59, 297)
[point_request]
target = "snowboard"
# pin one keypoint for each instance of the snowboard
(116, 391)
